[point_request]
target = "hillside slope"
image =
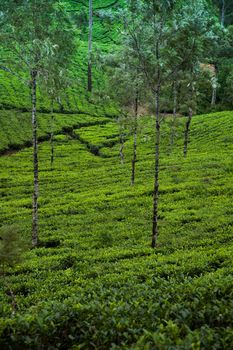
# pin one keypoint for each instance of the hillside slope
(14, 88)
(95, 283)
(16, 131)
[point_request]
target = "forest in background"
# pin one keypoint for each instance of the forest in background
(107, 39)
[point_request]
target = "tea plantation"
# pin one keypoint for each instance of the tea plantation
(94, 282)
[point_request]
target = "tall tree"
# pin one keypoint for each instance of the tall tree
(37, 32)
(89, 84)
(152, 18)
(195, 40)
(224, 67)
(157, 16)
(126, 84)
(162, 54)
(55, 83)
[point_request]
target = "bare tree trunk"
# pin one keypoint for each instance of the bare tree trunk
(35, 161)
(52, 138)
(213, 99)
(134, 160)
(223, 13)
(89, 84)
(186, 133)
(156, 178)
(214, 89)
(155, 230)
(173, 127)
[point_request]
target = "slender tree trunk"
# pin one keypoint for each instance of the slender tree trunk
(156, 178)
(223, 13)
(134, 160)
(155, 230)
(186, 133)
(214, 89)
(173, 127)
(213, 99)
(35, 161)
(52, 138)
(89, 84)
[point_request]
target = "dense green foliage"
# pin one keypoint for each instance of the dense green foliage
(14, 85)
(15, 130)
(14, 93)
(94, 282)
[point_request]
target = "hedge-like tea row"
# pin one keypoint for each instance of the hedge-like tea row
(94, 282)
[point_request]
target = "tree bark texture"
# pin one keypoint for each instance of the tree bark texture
(155, 230)
(214, 83)
(35, 161)
(52, 140)
(89, 74)
(156, 178)
(134, 160)
(214, 95)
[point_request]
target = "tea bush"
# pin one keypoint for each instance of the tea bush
(94, 282)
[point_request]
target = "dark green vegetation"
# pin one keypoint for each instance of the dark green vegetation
(15, 94)
(14, 88)
(13, 138)
(94, 282)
